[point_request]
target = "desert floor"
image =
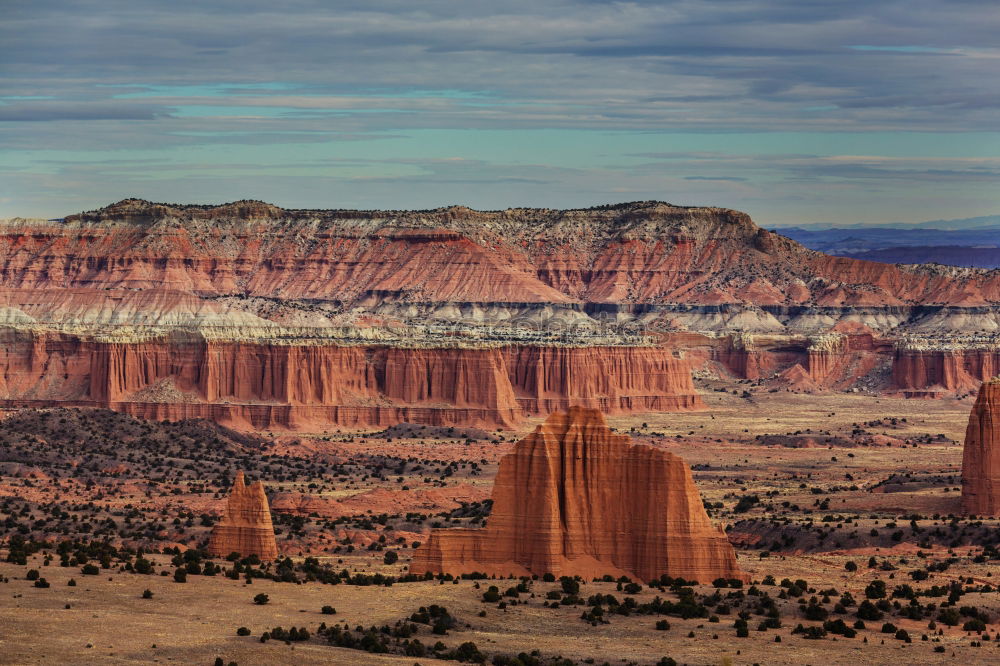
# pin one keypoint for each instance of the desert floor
(103, 619)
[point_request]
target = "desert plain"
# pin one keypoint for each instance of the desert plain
(884, 497)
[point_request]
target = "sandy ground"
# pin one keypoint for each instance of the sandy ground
(192, 623)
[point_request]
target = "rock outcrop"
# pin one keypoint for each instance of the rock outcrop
(641, 252)
(246, 527)
(927, 372)
(828, 361)
(981, 455)
(300, 386)
(574, 498)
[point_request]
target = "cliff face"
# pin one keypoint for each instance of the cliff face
(268, 386)
(926, 372)
(614, 380)
(645, 252)
(822, 362)
(246, 527)
(981, 455)
(264, 317)
(576, 499)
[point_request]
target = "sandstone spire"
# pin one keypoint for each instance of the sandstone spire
(573, 498)
(981, 455)
(246, 528)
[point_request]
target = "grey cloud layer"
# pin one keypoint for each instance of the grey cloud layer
(750, 64)
(125, 90)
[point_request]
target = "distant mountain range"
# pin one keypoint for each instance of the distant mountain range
(961, 223)
(973, 241)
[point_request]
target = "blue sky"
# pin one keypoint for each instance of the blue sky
(795, 111)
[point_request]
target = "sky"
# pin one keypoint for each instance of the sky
(795, 111)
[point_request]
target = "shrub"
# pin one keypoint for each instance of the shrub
(867, 611)
(328, 610)
(32, 575)
(974, 624)
(147, 594)
(492, 595)
(949, 616)
(662, 625)
(816, 612)
(838, 626)
(261, 599)
(90, 570)
(42, 583)
(468, 652)
(875, 590)
(242, 631)
(180, 576)
(391, 557)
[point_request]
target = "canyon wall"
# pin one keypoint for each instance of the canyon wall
(922, 372)
(265, 386)
(831, 361)
(576, 499)
(265, 317)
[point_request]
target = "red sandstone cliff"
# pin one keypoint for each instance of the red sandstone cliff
(832, 361)
(246, 527)
(981, 455)
(101, 308)
(573, 498)
(926, 372)
(268, 386)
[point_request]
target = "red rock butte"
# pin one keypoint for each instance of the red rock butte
(246, 527)
(981, 455)
(576, 499)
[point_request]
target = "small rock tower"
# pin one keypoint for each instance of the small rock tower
(981, 455)
(246, 528)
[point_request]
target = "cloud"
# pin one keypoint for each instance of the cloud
(49, 111)
(137, 79)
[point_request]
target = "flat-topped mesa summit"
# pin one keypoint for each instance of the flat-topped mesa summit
(576, 499)
(246, 528)
(981, 454)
